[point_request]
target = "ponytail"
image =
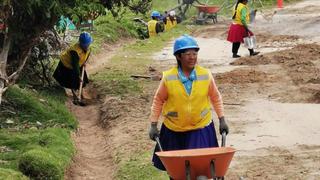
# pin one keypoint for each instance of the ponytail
(235, 10)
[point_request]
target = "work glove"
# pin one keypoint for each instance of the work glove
(223, 127)
(153, 131)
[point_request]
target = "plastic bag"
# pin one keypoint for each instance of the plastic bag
(250, 42)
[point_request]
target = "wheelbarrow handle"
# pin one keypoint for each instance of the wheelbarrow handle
(158, 142)
(223, 139)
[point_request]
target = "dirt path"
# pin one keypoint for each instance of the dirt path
(93, 159)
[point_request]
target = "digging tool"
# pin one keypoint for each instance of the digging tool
(81, 87)
(78, 101)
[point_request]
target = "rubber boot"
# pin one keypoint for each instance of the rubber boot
(252, 53)
(235, 48)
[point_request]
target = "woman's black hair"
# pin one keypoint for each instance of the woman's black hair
(235, 10)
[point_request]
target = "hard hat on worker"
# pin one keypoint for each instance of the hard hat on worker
(85, 39)
(155, 14)
(185, 42)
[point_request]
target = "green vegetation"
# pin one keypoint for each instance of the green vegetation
(111, 30)
(133, 59)
(35, 134)
(39, 154)
(30, 107)
(140, 163)
(9, 174)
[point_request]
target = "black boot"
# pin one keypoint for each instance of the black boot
(235, 48)
(252, 53)
(235, 56)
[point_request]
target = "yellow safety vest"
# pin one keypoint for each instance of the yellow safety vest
(237, 19)
(152, 28)
(66, 56)
(184, 112)
(170, 24)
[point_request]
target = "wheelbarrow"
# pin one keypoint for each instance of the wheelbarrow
(197, 164)
(207, 12)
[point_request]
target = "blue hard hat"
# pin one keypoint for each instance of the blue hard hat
(185, 42)
(155, 14)
(85, 39)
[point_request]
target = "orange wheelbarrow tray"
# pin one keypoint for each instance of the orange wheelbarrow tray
(192, 163)
(210, 9)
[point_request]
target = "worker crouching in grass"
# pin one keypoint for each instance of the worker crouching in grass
(154, 26)
(239, 28)
(184, 97)
(72, 62)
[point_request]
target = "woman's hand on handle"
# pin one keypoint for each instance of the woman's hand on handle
(153, 131)
(223, 127)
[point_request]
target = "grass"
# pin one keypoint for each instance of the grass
(140, 163)
(133, 59)
(35, 134)
(10, 174)
(37, 153)
(31, 107)
(110, 30)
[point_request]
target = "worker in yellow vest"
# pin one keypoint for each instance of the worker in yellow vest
(154, 26)
(170, 21)
(184, 97)
(239, 27)
(71, 63)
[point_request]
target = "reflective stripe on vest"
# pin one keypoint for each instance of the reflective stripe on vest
(183, 112)
(66, 56)
(237, 19)
(152, 28)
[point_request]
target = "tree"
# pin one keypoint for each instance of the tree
(22, 23)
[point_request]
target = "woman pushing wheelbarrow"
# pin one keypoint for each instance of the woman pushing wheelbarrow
(184, 97)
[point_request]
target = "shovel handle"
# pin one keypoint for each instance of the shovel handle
(81, 83)
(158, 142)
(223, 139)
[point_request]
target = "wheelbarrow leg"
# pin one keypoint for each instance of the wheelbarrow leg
(212, 170)
(188, 171)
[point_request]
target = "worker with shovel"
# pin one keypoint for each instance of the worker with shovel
(70, 72)
(184, 97)
(239, 28)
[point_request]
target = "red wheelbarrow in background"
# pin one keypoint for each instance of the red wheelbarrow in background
(207, 12)
(195, 163)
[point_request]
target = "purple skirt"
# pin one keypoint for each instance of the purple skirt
(171, 140)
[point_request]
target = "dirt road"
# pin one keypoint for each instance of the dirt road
(274, 113)
(272, 102)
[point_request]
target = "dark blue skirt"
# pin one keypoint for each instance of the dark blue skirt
(171, 140)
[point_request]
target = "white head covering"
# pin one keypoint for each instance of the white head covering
(172, 13)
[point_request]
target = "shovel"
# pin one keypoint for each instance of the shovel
(78, 101)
